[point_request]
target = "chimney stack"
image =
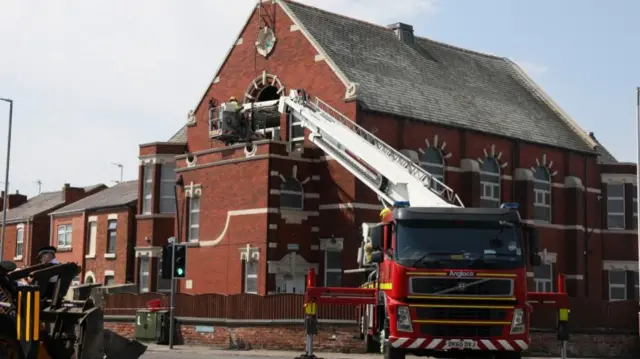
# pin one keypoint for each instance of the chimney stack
(404, 32)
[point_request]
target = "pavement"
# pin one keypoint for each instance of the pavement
(193, 352)
(197, 352)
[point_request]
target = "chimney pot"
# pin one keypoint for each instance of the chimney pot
(17, 192)
(404, 32)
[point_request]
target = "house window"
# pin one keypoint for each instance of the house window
(194, 219)
(332, 269)
(635, 207)
(19, 242)
(147, 191)
(433, 162)
(543, 277)
(251, 277)
(112, 231)
(109, 280)
(164, 285)
(91, 240)
(490, 183)
(296, 133)
(145, 265)
(615, 206)
(542, 195)
(64, 236)
(167, 188)
(291, 194)
(617, 285)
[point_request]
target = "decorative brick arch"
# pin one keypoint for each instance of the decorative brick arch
(491, 153)
(260, 83)
(435, 144)
(542, 162)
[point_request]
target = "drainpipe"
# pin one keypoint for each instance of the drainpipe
(515, 160)
(586, 233)
(26, 257)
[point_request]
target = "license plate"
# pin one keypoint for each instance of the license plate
(461, 344)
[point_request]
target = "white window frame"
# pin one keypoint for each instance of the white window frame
(326, 268)
(147, 193)
(109, 276)
(539, 196)
(248, 275)
(165, 181)
(19, 242)
(196, 212)
(92, 239)
(115, 239)
(541, 283)
(617, 285)
(145, 273)
(495, 188)
(615, 199)
(67, 231)
(297, 193)
(166, 287)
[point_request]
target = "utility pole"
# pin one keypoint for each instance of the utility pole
(6, 178)
(39, 183)
(638, 162)
(121, 170)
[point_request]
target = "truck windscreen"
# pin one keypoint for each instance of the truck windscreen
(458, 244)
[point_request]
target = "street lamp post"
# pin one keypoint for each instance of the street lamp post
(6, 179)
(638, 161)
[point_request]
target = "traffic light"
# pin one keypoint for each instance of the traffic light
(166, 261)
(180, 266)
(179, 261)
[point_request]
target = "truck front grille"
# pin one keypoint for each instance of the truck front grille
(462, 331)
(461, 286)
(461, 313)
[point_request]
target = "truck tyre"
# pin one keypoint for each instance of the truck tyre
(370, 345)
(388, 351)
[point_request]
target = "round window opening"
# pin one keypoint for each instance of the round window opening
(268, 93)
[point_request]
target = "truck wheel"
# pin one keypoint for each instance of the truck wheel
(388, 351)
(370, 345)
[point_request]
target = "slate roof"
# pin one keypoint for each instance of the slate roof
(604, 156)
(180, 136)
(118, 195)
(436, 82)
(39, 204)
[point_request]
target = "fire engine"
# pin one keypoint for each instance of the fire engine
(440, 279)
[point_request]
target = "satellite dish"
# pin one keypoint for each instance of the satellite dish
(266, 41)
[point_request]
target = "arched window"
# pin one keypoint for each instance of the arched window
(433, 162)
(542, 195)
(490, 183)
(291, 194)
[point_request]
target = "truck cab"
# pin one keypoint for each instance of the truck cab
(452, 282)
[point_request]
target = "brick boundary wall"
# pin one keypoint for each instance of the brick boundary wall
(341, 336)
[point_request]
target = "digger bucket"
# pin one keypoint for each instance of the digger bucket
(119, 347)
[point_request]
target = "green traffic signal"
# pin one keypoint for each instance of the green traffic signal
(179, 271)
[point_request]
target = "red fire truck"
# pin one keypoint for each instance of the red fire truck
(441, 279)
(451, 281)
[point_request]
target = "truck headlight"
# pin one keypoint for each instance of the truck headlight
(517, 323)
(403, 319)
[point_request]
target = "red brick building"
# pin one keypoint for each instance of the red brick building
(28, 225)
(98, 233)
(257, 218)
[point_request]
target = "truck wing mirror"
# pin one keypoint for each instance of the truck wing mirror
(377, 237)
(534, 245)
(377, 257)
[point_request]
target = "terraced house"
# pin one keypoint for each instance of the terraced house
(98, 233)
(258, 217)
(28, 225)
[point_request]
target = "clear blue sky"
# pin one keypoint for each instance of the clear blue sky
(584, 53)
(93, 80)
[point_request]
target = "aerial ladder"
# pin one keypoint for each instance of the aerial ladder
(395, 179)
